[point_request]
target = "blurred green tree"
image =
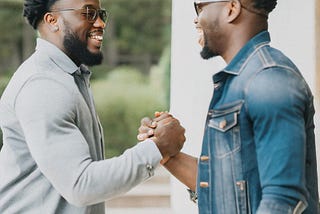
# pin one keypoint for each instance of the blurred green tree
(11, 36)
(137, 32)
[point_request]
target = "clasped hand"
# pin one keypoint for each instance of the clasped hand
(165, 131)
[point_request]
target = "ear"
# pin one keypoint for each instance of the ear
(51, 21)
(234, 8)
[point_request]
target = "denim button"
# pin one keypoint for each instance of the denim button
(204, 158)
(204, 184)
(222, 124)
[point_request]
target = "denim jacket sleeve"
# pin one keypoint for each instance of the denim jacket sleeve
(276, 101)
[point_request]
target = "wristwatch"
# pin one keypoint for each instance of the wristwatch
(193, 195)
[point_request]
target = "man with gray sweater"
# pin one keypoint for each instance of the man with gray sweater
(52, 157)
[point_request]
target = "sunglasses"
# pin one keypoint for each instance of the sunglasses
(90, 13)
(198, 4)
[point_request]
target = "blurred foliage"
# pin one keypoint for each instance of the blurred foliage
(11, 38)
(3, 83)
(125, 96)
(141, 26)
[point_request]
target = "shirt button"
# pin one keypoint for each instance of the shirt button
(204, 158)
(222, 124)
(204, 184)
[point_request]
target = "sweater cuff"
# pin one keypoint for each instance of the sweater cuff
(152, 154)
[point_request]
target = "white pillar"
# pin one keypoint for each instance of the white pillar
(292, 31)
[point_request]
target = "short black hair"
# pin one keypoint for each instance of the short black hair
(260, 7)
(266, 5)
(34, 10)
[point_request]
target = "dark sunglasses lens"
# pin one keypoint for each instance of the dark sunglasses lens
(91, 14)
(103, 15)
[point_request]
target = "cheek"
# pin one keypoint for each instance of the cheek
(83, 34)
(205, 26)
(81, 31)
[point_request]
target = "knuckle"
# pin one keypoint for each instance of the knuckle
(145, 120)
(167, 114)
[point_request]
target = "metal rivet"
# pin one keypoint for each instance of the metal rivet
(149, 167)
(241, 185)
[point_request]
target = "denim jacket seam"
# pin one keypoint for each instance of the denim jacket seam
(256, 49)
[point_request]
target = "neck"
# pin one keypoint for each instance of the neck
(241, 35)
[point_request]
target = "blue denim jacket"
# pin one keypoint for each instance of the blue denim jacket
(258, 152)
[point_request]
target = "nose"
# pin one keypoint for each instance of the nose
(99, 23)
(195, 21)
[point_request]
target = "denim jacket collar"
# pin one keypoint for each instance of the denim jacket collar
(240, 60)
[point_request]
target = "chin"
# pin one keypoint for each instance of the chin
(207, 54)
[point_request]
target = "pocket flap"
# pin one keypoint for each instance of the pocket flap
(225, 118)
(225, 122)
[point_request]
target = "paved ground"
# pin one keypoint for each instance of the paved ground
(140, 211)
(153, 196)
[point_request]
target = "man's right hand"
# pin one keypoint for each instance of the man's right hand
(165, 131)
(168, 134)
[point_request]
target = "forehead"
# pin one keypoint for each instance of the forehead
(77, 3)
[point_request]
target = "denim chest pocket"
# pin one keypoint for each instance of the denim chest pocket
(224, 130)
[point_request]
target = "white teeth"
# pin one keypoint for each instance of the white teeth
(97, 37)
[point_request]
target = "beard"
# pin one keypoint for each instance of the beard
(78, 51)
(206, 52)
(213, 33)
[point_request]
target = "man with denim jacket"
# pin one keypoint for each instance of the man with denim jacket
(258, 152)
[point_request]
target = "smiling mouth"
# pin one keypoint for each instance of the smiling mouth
(96, 35)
